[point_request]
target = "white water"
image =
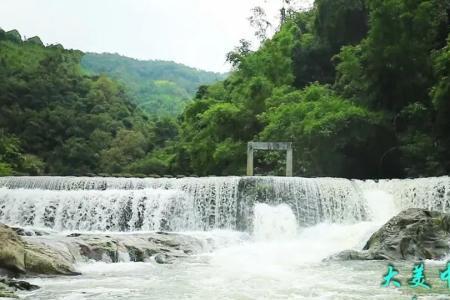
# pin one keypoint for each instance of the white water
(274, 223)
(91, 210)
(127, 204)
(266, 268)
(301, 222)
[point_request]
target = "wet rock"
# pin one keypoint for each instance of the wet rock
(98, 248)
(139, 247)
(6, 291)
(18, 284)
(29, 232)
(135, 254)
(8, 287)
(55, 254)
(164, 259)
(414, 234)
(74, 235)
(41, 258)
(24, 254)
(12, 251)
(355, 255)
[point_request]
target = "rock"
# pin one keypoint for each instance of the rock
(55, 254)
(18, 256)
(6, 291)
(163, 259)
(29, 232)
(356, 255)
(414, 234)
(139, 246)
(44, 259)
(8, 287)
(12, 251)
(98, 248)
(18, 284)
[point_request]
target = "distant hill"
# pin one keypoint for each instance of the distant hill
(159, 87)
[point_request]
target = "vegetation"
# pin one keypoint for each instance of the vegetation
(360, 87)
(160, 88)
(56, 120)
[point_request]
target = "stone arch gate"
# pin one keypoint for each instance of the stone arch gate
(251, 146)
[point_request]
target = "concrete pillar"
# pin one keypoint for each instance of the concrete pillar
(289, 162)
(249, 159)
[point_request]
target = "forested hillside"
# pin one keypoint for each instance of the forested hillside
(160, 88)
(56, 120)
(362, 88)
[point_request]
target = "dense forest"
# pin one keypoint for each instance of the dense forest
(160, 88)
(361, 88)
(55, 119)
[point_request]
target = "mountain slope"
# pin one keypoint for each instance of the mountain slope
(158, 87)
(56, 120)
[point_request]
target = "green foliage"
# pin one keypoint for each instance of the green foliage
(440, 95)
(56, 120)
(360, 87)
(126, 147)
(159, 88)
(14, 161)
(397, 50)
(329, 26)
(348, 82)
(10, 154)
(329, 133)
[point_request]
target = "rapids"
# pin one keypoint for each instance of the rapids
(272, 234)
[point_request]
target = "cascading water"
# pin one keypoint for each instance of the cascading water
(119, 204)
(274, 223)
(292, 224)
(130, 204)
(90, 210)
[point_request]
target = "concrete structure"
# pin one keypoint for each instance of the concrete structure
(251, 146)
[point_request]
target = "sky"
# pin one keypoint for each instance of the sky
(197, 33)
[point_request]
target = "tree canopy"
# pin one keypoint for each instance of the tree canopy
(360, 87)
(160, 88)
(55, 119)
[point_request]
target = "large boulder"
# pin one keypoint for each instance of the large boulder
(18, 256)
(138, 247)
(414, 234)
(12, 251)
(22, 251)
(44, 259)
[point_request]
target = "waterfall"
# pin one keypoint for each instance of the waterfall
(111, 210)
(274, 223)
(187, 204)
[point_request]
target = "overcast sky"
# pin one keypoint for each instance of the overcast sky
(197, 33)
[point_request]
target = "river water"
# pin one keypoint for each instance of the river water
(293, 226)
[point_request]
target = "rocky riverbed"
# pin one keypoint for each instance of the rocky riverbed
(414, 234)
(43, 253)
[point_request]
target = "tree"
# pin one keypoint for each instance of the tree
(331, 136)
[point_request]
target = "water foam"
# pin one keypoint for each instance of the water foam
(127, 204)
(91, 210)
